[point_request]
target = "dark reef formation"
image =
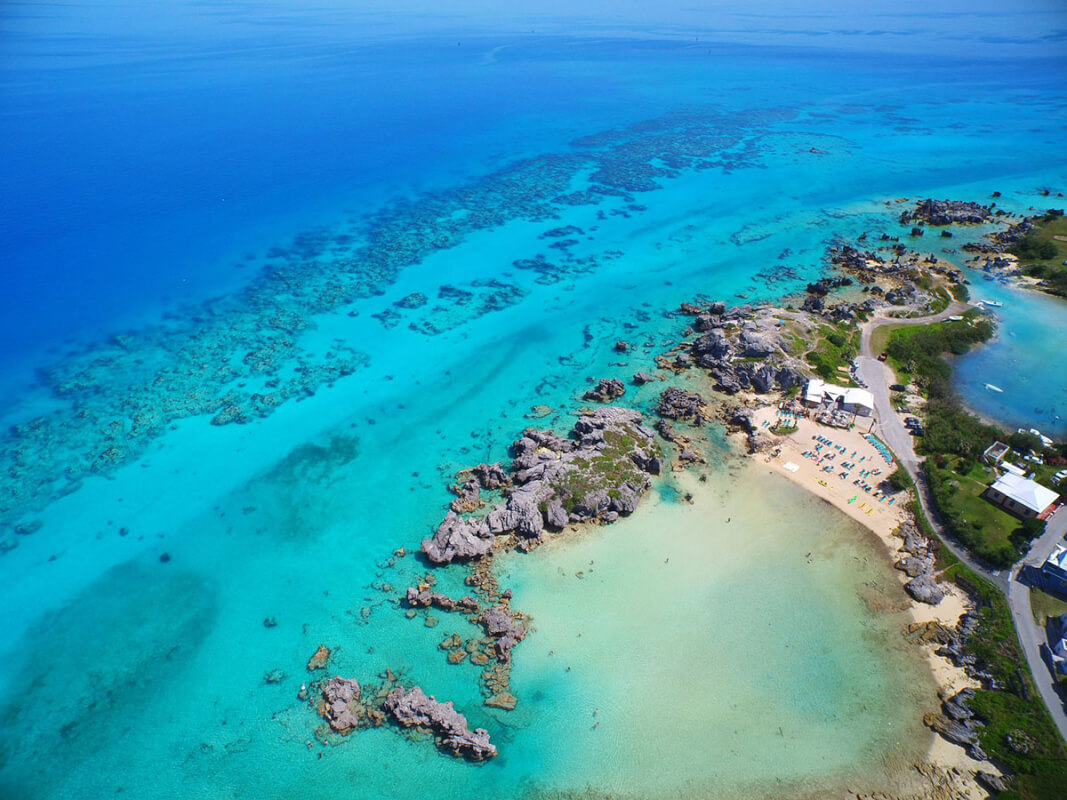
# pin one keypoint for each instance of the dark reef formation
(239, 358)
(947, 212)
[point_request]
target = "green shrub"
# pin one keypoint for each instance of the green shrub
(1031, 248)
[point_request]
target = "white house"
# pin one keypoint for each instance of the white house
(1058, 646)
(1021, 496)
(855, 401)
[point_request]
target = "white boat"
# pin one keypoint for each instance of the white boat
(993, 303)
(993, 388)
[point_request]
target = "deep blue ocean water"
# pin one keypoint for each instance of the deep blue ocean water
(206, 203)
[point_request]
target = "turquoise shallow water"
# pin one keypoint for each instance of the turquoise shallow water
(346, 415)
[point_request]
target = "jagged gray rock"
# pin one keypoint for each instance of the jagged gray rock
(925, 589)
(675, 403)
(947, 212)
(339, 695)
(603, 469)
(606, 390)
(458, 537)
(412, 708)
(491, 476)
(426, 599)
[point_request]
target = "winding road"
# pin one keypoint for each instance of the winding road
(877, 377)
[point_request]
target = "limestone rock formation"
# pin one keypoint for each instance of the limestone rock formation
(412, 708)
(602, 469)
(606, 390)
(339, 695)
(458, 537)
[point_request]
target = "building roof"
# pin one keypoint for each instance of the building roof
(1025, 492)
(1058, 560)
(859, 397)
(818, 389)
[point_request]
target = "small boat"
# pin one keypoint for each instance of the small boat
(993, 388)
(993, 303)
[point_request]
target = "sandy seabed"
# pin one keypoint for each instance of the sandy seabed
(882, 519)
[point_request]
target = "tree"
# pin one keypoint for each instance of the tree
(1024, 442)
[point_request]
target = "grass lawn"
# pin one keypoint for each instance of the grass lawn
(833, 352)
(1042, 253)
(994, 523)
(880, 337)
(1045, 605)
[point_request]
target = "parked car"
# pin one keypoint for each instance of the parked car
(917, 430)
(883, 356)
(897, 387)
(912, 421)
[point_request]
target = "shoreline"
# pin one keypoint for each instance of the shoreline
(882, 521)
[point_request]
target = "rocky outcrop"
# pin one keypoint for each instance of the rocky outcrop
(340, 700)
(491, 476)
(925, 589)
(602, 470)
(505, 628)
(956, 723)
(918, 563)
(755, 345)
(319, 659)
(458, 537)
(412, 708)
(468, 496)
(423, 598)
(947, 212)
(677, 403)
(606, 390)
(740, 418)
(732, 353)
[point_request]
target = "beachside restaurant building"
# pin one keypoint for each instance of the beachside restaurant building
(855, 401)
(1021, 496)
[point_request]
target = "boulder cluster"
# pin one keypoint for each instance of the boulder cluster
(412, 708)
(599, 472)
(947, 212)
(737, 351)
(917, 562)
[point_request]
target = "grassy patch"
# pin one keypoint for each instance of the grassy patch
(1041, 254)
(610, 467)
(940, 302)
(880, 337)
(1045, 605)
(919, 349)
(957, 485)
(835, 347)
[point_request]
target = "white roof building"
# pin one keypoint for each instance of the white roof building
(1057, 559)
(858, 401)
(1021, 495)
(1059, 647)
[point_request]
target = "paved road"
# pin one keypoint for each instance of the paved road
(876, 376)
(1030, 635)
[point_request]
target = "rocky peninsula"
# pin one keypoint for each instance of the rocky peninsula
(595, 475)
